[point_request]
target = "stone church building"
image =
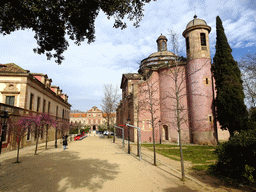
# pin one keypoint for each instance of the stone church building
(165, 81)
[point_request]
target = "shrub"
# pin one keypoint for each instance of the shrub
(73, 131)
(237, 157)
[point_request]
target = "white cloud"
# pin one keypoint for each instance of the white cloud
(87, 67)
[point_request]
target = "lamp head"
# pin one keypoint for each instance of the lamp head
(5, 117)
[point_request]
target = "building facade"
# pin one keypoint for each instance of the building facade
(32, 93)
(94, 118)
(169, 90)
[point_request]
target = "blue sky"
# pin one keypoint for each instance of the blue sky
(87, 68)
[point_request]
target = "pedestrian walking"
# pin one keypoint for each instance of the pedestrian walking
(65, 143)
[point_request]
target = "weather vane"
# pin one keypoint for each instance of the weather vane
(195, 12)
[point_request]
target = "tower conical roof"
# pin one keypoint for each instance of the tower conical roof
(162, 37)
(195, 22)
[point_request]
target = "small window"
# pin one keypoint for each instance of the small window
(57, 111)
(206, 81)
(10, 100)
(44, 103)
(210, 118)
(49, 107)
(38, 104)
(187, 43)
(203, 40)
(163, 46)
(31, 101)
(28, 134)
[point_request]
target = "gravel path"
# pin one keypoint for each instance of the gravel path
(92, 164)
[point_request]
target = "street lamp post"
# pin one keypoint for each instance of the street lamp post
(128, 122)
(4, 127)
(160, 131)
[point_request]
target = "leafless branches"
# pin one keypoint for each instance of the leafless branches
(248, 68)
(110, 101)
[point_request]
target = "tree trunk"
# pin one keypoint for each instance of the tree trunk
(108, 126)
(36, 143)
(178, 109)
(18, 152)
(56, 138)
(46, 137)
(138, 143)
(154, 145)
(181, 158)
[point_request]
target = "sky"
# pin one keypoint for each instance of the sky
(88, 67)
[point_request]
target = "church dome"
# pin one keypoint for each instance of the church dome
(162, 54)
(195, 22)
(161, 37)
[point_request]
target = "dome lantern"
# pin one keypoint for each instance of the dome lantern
(161, 43)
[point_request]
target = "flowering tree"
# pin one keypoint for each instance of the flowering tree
(47, 120)
(40, 121)
(65, 127)
(20, 130)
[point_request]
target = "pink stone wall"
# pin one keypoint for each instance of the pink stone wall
(145, 113)
(168, 103)
(200, 99)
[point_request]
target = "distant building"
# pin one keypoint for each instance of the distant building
(32, 93)
(196, 90)
(93, 118)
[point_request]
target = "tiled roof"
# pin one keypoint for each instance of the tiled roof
(96, 110)
(12, 68)
(76, 115)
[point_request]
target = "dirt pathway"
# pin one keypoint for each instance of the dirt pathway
(92, 164)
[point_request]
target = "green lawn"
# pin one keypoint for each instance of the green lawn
(201, 156)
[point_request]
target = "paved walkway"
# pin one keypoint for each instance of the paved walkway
(92, 164)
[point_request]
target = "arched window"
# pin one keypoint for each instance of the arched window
(163, 46)
(203, 40)
(187, 43)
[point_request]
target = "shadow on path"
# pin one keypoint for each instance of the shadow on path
(57, 171)
(179, 189)
(219, 183)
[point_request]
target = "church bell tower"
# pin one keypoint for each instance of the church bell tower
(199, 82)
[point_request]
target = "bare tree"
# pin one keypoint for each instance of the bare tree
(148, 102)
(248, 68)
(110, 101)
(177, 93)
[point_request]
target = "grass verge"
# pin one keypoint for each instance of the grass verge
(201, 156)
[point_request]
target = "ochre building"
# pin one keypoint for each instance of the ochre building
(166, 85)
(93, 118)
(23, 93)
